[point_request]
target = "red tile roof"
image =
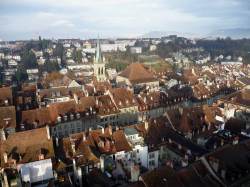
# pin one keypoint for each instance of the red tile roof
(7, 117)
(123, 97)
(5, 94)
(26, 146)
(137, 73)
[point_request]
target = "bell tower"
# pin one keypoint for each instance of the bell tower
(99, 64)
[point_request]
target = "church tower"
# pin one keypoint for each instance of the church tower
(99, 65)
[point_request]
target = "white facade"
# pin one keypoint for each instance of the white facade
(12, 63)
(37, 171)
(136, 50)
(113, 47)
(153, 158)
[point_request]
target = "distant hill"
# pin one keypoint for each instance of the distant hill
(159, 34)
(235, 33)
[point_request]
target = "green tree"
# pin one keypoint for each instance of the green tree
(79, 56)
(51, 66)
(21, 75)
(28, 60)
(59, 52)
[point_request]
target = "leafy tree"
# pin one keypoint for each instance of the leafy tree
(21, 75)
(59, 52)
(1, 75)
(51, 66)
(79, 56)
(28, 59)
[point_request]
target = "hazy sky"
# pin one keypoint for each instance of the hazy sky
(25, 19)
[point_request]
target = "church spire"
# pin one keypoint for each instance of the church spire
(98, 54)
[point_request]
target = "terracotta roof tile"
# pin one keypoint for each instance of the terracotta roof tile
(5, 94)
(137, 73)
(123, 97)
(28, 145)
(7, 117)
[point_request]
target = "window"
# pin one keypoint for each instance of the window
(151, 155)
(152, 163)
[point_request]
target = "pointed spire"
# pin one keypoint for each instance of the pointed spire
(98, 54)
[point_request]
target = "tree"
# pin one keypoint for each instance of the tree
(79, 56)
(28, 60)
(21, 75)
(59, 51)
(1, 75)
(51, 66)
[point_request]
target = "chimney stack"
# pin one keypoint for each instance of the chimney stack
(48, 132)
(5, 157)
(146, 125)
(41, 155)
(3, 135)
(110, 130)
(73, 146)
(83, 137)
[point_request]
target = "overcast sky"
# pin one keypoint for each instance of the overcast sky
(25, 19)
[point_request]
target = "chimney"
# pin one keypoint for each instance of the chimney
(222, 142)
(48, 132)
(3, 135)
(83, 137)
(76, 98)
(110, 130)
(6, 102)
(73, 146)
(5, 157)
(41, 155)
(20, 157)
(101, 127)
(57, 142)
(236, 140)
(146, 125)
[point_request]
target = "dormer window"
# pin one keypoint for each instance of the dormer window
(71, 116)
(59, 119)
(65, 117)
(78, 116)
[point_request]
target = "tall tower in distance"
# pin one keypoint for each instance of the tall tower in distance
(99, 64)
